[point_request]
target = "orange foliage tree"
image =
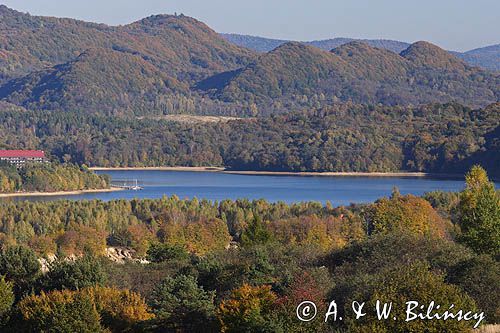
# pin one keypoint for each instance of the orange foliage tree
(81, 239)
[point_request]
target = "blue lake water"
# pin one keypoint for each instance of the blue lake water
(220, 186)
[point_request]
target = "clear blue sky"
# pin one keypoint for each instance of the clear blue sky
(452, 24)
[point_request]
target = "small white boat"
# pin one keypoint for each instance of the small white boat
(136, 187)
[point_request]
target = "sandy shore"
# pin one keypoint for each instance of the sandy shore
(284, 173)
(50, 194)
(195, 169)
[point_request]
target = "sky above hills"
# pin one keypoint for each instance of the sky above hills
(453, 24)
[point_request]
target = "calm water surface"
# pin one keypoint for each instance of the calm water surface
(220, 186)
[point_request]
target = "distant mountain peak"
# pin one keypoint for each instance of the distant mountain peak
(167, 18)
(8, 14)
(4, 9)
(180, 23)
(427, 54)
(292, 46)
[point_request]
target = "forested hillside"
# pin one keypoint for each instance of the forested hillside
(102, 80)
(181, 46)
(50, 177)
(356, 72)
(435, 138)
(486, 57)
(169, 64)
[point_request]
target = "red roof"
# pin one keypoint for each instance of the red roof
(22, 153)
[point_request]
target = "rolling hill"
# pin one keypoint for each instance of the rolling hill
(182, 46)
(110, 81)
(262, 44)
(486, 57)
(174, 64)
(359, 73)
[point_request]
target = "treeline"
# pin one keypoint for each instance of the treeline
(248, 265)
(74, 227)
(440, 138)
(49, 177)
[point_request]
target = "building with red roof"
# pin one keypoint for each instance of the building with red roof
(20, 157)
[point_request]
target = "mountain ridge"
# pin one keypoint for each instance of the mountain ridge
(38, 42)
(168, 64)
(360, 73)
(487, 57)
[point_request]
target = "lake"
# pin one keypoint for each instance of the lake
(220, 186)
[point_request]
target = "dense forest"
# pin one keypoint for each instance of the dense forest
(171, 64)
(357, 72)
(436, 138)
(242, 266)
(49, 177)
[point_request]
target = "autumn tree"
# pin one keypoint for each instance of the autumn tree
(313, 286)
(60, 311)
(407, 213)
(249, 309)
(120, 309)
(95, 309)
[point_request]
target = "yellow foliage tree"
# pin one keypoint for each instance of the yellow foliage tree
(119, 309)
(86, 310)
(248, 309)
(407, 213)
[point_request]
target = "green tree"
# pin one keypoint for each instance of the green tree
(81, 273)
(480, 278)
(479, 210)
(19, 264)
(256, 233)
(6, 299)
(405, 283)
(180, 303)
(159, 252)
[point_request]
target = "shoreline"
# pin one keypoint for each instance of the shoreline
(283, 173)
(58, 193)
(187, 169)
